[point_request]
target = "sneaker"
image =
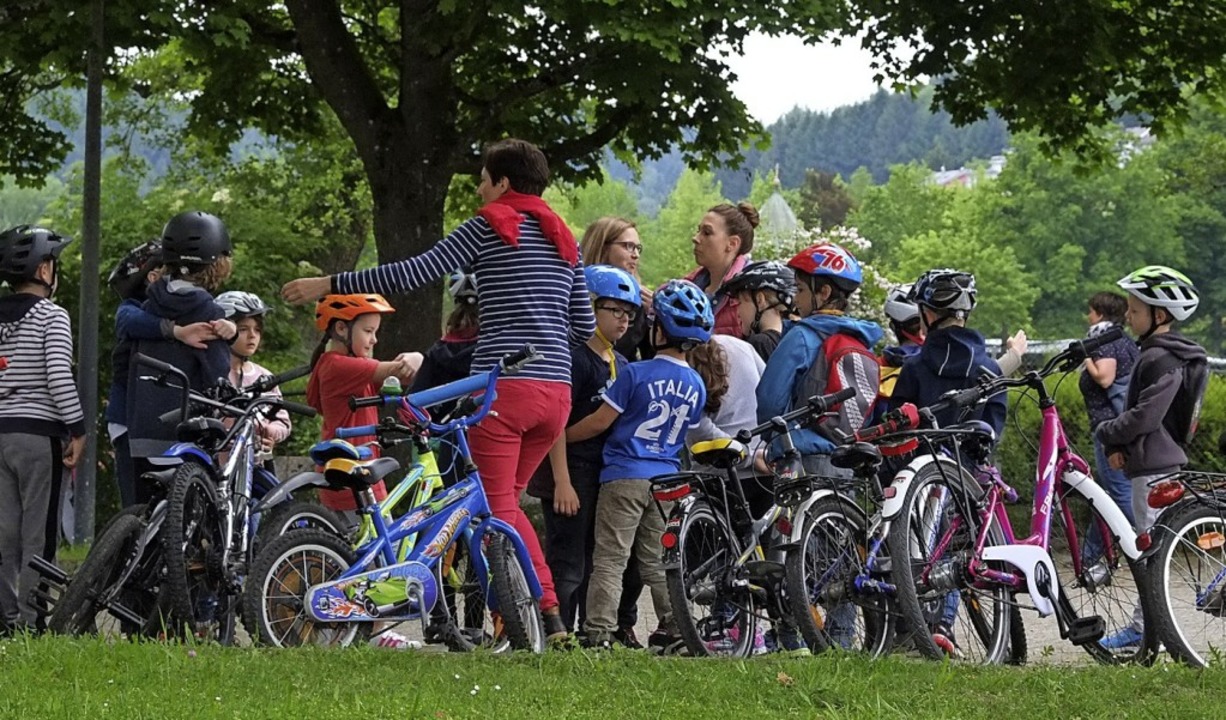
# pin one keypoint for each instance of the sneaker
(626, 638)
(394, 641)
(555, 629)
(597, 641)
(728, 643)
(663, 642)
(1125, 639)
(943, 636)
(789, 642)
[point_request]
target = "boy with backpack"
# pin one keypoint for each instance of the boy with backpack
(824, 352)
(1162, 406)
(42, 426)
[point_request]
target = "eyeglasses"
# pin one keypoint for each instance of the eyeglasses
(619, 313)
(636, 248)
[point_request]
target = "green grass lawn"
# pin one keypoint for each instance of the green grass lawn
(62, 678)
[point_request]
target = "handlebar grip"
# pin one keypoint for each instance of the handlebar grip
(298, 408)
(1084, 347)
(142, 359)
(822, 403)
(364, 402)
(515, 361)
(290, 375)
(171, 417)
(357, 431)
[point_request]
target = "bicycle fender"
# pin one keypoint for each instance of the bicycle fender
(798, 529)
(279, 493)
(1032, 561)
(901, 484)
(1102, 502)
(180, 452)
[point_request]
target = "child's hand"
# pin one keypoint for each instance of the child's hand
(565, 499)
(645, 295)
(407, 365)
(196, 335)
(1017, 343)
(759, 462)
(1116, 460)
(72, 451)
(305, 290)
(225, 329)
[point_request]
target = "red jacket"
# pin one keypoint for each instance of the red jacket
(727, 321)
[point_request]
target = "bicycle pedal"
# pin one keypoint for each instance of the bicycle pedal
(1086, 630)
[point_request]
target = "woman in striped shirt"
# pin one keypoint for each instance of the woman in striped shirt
(530, 289)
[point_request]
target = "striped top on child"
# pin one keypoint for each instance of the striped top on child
(38, 394)
(525, 294)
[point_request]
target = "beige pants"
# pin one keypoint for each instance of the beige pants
(626, 521)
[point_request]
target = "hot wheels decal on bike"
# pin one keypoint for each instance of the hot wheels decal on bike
(390, 593)
(439, 543)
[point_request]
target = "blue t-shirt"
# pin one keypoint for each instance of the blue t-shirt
(658, 401)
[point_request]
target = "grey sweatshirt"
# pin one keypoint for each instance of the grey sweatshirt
(1139, 432)
(739, 408)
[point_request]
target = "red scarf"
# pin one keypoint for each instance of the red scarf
(507, 213)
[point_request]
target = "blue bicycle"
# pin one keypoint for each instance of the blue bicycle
(312, 587)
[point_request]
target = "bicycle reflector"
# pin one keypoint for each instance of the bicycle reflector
(670, 493)
(1165, 494)
(669, 539)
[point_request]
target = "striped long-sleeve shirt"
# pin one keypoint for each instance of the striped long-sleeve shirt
(38, 394)
(525, 294)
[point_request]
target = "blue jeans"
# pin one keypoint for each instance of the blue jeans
(1119, 487)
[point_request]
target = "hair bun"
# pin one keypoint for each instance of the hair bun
(750, 212)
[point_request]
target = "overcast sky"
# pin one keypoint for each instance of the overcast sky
(776, 74)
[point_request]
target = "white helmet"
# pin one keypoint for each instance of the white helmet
(462, 287)
(238, 305)
(899, 307)
(1161, 286)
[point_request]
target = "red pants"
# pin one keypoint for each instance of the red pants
(510, 447)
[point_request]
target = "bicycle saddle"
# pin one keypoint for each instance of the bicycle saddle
(202, 431)
(860, 457)
(325, 450)
(358, 475)
(723, 453)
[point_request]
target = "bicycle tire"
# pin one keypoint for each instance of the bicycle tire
(1101, 588)
(295, 515)
(461, 619)
(991, 629)
(706, 552)
(275, 591)
(821, 570)
(523, 624)
(192, 543)
(76, 611)
(1018, 644)
(1188, 571)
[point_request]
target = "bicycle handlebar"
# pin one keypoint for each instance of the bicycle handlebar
(817, 405)
(901, 418)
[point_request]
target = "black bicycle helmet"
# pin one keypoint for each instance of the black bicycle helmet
(949, 292)
(195, 238)
(765, 275)
(25, 247)
(127, 278)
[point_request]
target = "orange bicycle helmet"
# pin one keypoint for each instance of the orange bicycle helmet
(348, 307)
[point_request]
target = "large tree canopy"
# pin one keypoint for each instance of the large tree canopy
(418, 85)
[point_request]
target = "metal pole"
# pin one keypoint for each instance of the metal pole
(87, 319)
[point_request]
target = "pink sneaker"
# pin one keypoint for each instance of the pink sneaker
(729, 642)
(394, 641)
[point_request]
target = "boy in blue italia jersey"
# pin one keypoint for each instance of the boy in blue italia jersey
(648, 408)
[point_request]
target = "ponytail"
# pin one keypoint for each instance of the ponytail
(319, 350)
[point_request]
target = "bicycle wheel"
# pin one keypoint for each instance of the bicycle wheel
(1187, 591)
(274, 598)
(193, 542)
(79, 610)
(711, 617)
(931, 542)
(461, 619)
(294, 515)
(821, 582)
(1102, 581)
(519, 611)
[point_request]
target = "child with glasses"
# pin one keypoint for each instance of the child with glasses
(568, 482)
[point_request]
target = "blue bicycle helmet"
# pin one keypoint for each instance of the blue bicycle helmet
(684, 312)
(606, 281)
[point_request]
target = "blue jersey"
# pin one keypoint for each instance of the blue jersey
(658, 401)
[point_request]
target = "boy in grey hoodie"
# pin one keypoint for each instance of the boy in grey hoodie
(1146, 440)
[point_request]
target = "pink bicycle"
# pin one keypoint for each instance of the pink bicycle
(959, 567)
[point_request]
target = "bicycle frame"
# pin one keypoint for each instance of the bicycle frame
(382, 585)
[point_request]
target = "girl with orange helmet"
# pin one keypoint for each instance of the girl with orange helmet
(343, 366)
